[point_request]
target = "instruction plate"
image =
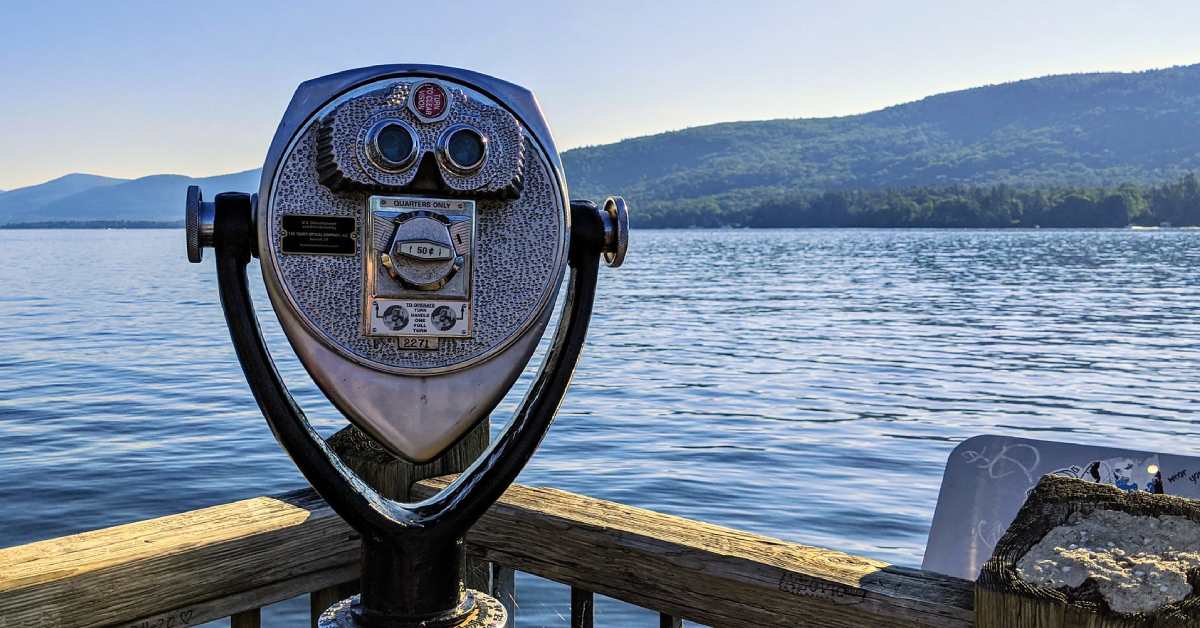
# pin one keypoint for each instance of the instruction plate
(420, 319)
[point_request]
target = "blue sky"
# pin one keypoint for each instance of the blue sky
(134, 88)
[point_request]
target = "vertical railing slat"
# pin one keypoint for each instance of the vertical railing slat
(504, 589)
(322, 599)
(582, 608)
(669, 621)
(246, 619)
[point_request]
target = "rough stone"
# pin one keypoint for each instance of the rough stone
(1138, 563)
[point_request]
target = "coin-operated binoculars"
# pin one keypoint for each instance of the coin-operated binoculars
(413, 228)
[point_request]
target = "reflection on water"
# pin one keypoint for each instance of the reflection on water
(804, 384)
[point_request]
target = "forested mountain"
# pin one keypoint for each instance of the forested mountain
(1071, 130)
(1079, 135)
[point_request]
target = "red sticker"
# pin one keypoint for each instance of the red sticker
(429, 101)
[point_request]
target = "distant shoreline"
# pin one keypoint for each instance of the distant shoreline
(150, 224)
(97, 224)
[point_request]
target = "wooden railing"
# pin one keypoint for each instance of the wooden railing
(231, 560)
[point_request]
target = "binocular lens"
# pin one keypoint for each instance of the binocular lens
(395, 143)
(393, 146)
(466, 148)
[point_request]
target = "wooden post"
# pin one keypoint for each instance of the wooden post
(1003, 599)
(393, 478)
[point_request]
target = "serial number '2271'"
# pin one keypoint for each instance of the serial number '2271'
(417, 342)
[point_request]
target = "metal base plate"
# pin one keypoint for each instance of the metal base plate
(488, 613)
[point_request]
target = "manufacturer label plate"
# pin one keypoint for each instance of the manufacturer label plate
(319, 235)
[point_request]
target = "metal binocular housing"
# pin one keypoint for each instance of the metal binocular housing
(414, 229)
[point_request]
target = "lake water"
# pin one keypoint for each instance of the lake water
(804, 384)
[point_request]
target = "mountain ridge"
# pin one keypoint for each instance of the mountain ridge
(51, 191)
(1088, 129)
(152, 197)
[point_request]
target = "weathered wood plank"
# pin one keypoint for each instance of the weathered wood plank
(217, 608)
(703, 572)
(239, 556)
(583, 608)
(218, 561)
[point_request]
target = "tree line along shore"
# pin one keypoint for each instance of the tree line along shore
(1174, 203)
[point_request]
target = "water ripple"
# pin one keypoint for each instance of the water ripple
(802, 384)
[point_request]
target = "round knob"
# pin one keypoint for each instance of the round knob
(198, 221)
(422, 254)
(616, 230)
